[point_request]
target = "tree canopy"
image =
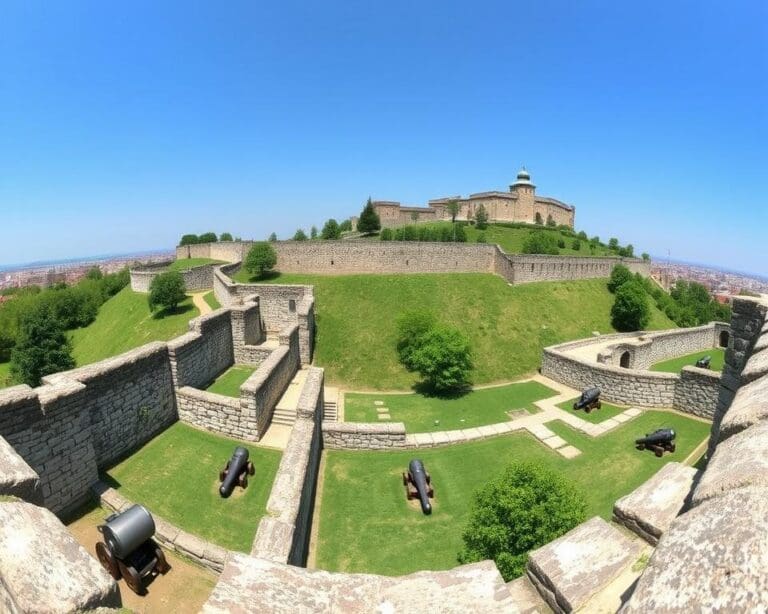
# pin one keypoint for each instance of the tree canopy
(331, 230)
(167, 290)
(630, 311)
(261, 258)
(369, 221)
(541, 242)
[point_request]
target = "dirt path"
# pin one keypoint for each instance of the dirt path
(199, 302)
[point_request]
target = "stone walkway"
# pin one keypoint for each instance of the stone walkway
(199, 302)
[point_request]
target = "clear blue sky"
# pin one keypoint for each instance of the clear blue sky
(124, 125)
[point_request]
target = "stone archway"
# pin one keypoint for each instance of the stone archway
(724, 338)
(624, 360)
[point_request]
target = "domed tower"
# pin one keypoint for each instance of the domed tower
(525, 191)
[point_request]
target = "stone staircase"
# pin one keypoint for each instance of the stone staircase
(331, 404)
(285, 410)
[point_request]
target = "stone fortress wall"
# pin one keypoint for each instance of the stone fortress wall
(693, 391)
(196, 279)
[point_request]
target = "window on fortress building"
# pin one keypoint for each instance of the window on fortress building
(292, 305)
(624, 360)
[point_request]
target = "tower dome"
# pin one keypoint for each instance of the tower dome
(523, 179)
(523, 175)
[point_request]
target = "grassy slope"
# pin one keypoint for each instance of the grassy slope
(476, 408)
(511, 240)
(125, 322)
(176, 475)
(210, 298)
(185, 264)
(675, 365)
(596, 415)
(5, 374)
(229, 382)
(507, 325)
(364, 501)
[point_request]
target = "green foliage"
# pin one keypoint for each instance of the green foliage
(42, 346)
(525, 508)
(582, 235)
(561, 243)
(94, 274)
(452, 207)
(414, 216)
(444, 232)
(166, 291)
(550, 221)
(261, 258)
(411, 327)
(481, 238)
(189, 240)
(630, 311)
(576, 245)
(208, 237)
(369, 221)
(225, 236)
(386, 234)
(459, 234)
(331, 230)
(313, 232)
(595, 240)
(619, 276)
(346, 226)
(646, 257)
(540, 242)
(538, 219)
(613, 244)
(628, 251)
(481, 218)
(300, 235)
(443, 358)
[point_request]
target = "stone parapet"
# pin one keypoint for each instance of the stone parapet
(17, 479)
(196, 278)
(363, 436)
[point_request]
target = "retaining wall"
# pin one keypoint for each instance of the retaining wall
(363, 436)
(198, 357)
(196, 279)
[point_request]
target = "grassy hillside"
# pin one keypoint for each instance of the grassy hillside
(5, 374)
(125, 322)
(507, 325)
(184, 264)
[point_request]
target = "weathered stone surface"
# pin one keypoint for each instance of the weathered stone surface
(712, 559)
(569, 451)
(651, 508)
(574, 567)
(525, 597)
(364, 436)
(17, 479)
(757, 366)
(43, 568)
(738, 462)
(749, 406)
(254, 585)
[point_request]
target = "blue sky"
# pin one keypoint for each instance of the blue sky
(125, 125)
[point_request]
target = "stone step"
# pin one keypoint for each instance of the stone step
(330, 411)
(526, 598)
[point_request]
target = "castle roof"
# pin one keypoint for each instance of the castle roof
(523, 178)
(553, 201)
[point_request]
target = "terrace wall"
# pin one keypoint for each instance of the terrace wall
(198, 357)
(196, 279)
(363, 436)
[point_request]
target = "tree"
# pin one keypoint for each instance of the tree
(94, 273)
(414, 216)
(538, 219)
(576, 245)
(525, 508)
(260, 259)
(189, 240)
(646, 257)
(386, 234)
(331, 230)
(551, 221)
(481, 238)
(459, 234)
(540, 242)
(225, 236)
(42, 346)
(561, 243)
(619, 276)
(208, 237)
(411, 328)
(481, 218)
(595, 240)
(630, 311)
(613, 244)
(443, 359)
(313, 232)
(369, 221)
(452, 207)
(300, 235)
(582, 235)
(167, 290)
(272, 238)
(346, 226)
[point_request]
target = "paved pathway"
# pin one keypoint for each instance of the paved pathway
(199, 302)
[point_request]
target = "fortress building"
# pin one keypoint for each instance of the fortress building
(520, 204)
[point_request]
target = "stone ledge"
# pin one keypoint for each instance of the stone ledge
(749, 407)
(17, 479)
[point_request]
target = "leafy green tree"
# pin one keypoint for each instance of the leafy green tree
(453, 207)
(459, 234)
(538, 219)
(619, 276)
(189, 240)
(386, 234)
(414, 216)
(481, 238)
(272, 238)
(582, 235)
(225, 236)
(525, 508)
(540, 242)
(166, 291)
(300, 235)
(261, 258)
(481, 218)
(595, 240)
(576, 245)
(346, 226)
(630, 311)
(313, 232)
(443, 358)
(645, 256)
(551, 221)
(613, 244)
(561, 243)
(331, 230)
(369, 221)
(42, 347)
(94, 273)
(411, 328)
(208, 237)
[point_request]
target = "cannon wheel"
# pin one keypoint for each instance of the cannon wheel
(132, 579)
(659, 452)
(242, 481)
(587, 410)
(222, 475)
(107, 561)
(162, 563)
(251, 469)
(672, 448)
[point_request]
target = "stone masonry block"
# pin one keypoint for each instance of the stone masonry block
(749, 406)
(18, 479)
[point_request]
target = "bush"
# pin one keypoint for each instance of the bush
(42, 347)
(481, 238)
(225, 236)
(576, 245)
(331, 230)
(613, 244)
(260, 259)
(300, 235)
(582, 235)
(630, 311)
(369, 221)
(561, 243)
(272, 238)
(94, 274)
(481, 218)
(646, 257)
(208, 237)
(166, 291)
(551, 222)
(346, 226)
(453, 207)
(411, 327)
(386, 234)
(525, 508)
(619, 276)
(540, 242)
(443, 359)
(538, 219)
(313, 232)
(189, 240)
(459, 234)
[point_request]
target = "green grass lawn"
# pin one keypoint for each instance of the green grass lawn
(366, 525)
(229, 382)
(507, 325)
(675, 365)
(596, 415)
(5, 375)
(423, 414)
(125, 322)
(176, 475)
(185, 264)
(210, 298)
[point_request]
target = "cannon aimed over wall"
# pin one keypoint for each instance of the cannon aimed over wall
(418, 484)
(703, 362)
(589, 400)
(236, 472)
(660, 441)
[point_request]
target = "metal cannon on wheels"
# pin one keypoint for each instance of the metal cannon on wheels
(128, 550)
(418, 485)
(236, 472)
(704, 362)
(660, 441)
(589, 400)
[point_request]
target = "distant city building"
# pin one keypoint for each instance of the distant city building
(520, 204)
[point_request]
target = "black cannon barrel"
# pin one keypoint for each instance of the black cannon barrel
(419, 477)
(589, 395)
(128, 530)
(658, 437)
(237, 464)
(703, 362)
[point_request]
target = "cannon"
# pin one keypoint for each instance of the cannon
(703, 362)
(589, 400)
(128, 550)
(235, 472)
(660, 441)
(418, 485)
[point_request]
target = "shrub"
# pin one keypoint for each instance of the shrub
(260, 259)
(167, 290)
(225, 236)
(481, 218)
(331, 230)
(386, 234)
(630, 311)
(189, 240)
(561, 243)
(453, 208)
(525, 508)
(443, 359)
(538, 219)
(540, 242)
(481, 238)
(613, 244)
(208, 237)
(272, 238)
(576, 245)
(551, 222)
(94, 273)
(313, 232)
(619, 276)
(345, 226)
(300, 235)
(369, 221)
(411, 327)
(459, 234)
(582, 235)
(646, 257)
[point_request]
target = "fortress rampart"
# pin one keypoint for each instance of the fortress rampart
(195, 279)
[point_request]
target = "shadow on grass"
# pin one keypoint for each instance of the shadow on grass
(180, 309)
(268, 276)
(427, 390)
